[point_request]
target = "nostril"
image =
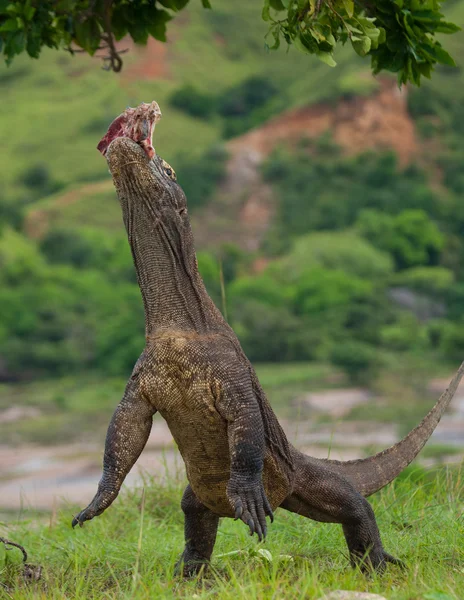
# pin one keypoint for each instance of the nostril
(182, 211)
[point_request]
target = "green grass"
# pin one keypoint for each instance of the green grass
(130, 551)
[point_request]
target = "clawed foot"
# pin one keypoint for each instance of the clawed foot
(85, 515)
(375, 561)
(103, 498)
(190, 565)
(250, 504)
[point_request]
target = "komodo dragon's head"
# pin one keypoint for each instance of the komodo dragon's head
(145, 183)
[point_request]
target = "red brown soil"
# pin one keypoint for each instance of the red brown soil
(147, 63)
(377, 122)
(244, 207)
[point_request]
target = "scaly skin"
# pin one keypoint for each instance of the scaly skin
(194, 373)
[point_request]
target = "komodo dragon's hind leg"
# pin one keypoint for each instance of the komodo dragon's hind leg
(325, 496)
(200, 535)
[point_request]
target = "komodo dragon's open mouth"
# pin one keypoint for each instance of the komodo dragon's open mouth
(138, 124)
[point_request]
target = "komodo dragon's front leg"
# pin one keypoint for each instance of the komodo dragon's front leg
(239, 406)
(127, 435)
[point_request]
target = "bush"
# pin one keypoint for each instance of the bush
(60, 318)
(403, 335)
(200, 176)
(39, 182)
(246, 97)
(411, 237)
(452, 340)
(427, 280)
(344, 251)
(323, 290)
(357, 359)
(246, 105)
(209, 271)
(67, 246)
(270, 333)
(193, 102)
(328, 193)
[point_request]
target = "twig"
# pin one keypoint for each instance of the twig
(8, 543)
(113, 60)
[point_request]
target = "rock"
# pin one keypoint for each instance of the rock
(351, 595)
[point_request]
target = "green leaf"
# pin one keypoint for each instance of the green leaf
(362, 47)
(382, 36)
(138, 32)
(299, 45)
(16, 43)
(444, 27)
(206, 4)
(87, 35)
(277, 4)
(265, 14)
(349, 7)
(9, 25)
(427, 16)
(425, 69)
(353, 29)
(119, 23)
(276, 35)
(175, 5)
(157, 29)
(443, 57)
(29, 12)
(326, 58)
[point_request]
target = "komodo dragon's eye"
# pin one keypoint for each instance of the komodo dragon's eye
(169, 171)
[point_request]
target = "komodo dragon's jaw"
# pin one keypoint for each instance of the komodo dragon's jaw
(137, 124)
(194, 372)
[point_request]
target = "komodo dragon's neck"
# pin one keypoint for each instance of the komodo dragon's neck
(174, 295)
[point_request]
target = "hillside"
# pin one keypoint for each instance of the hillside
(290, 167)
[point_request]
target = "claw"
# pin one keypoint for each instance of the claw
(251, 525)
(76, 521)
(238, 511)
(394, 561)
(268, 509)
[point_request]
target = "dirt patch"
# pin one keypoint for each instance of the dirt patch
(336, 403)
(18, 413)
(147, 62)
(244, 206)
(376, 122)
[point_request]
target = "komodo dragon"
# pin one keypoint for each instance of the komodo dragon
(193, 371)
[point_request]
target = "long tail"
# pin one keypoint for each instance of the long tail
(371, 474)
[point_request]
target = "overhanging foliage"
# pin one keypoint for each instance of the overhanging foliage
(398, 35)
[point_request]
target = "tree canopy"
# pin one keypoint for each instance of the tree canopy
(398, 35)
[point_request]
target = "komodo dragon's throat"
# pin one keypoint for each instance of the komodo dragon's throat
(193, 371)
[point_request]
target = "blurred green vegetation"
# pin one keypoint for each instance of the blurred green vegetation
(364, 257)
